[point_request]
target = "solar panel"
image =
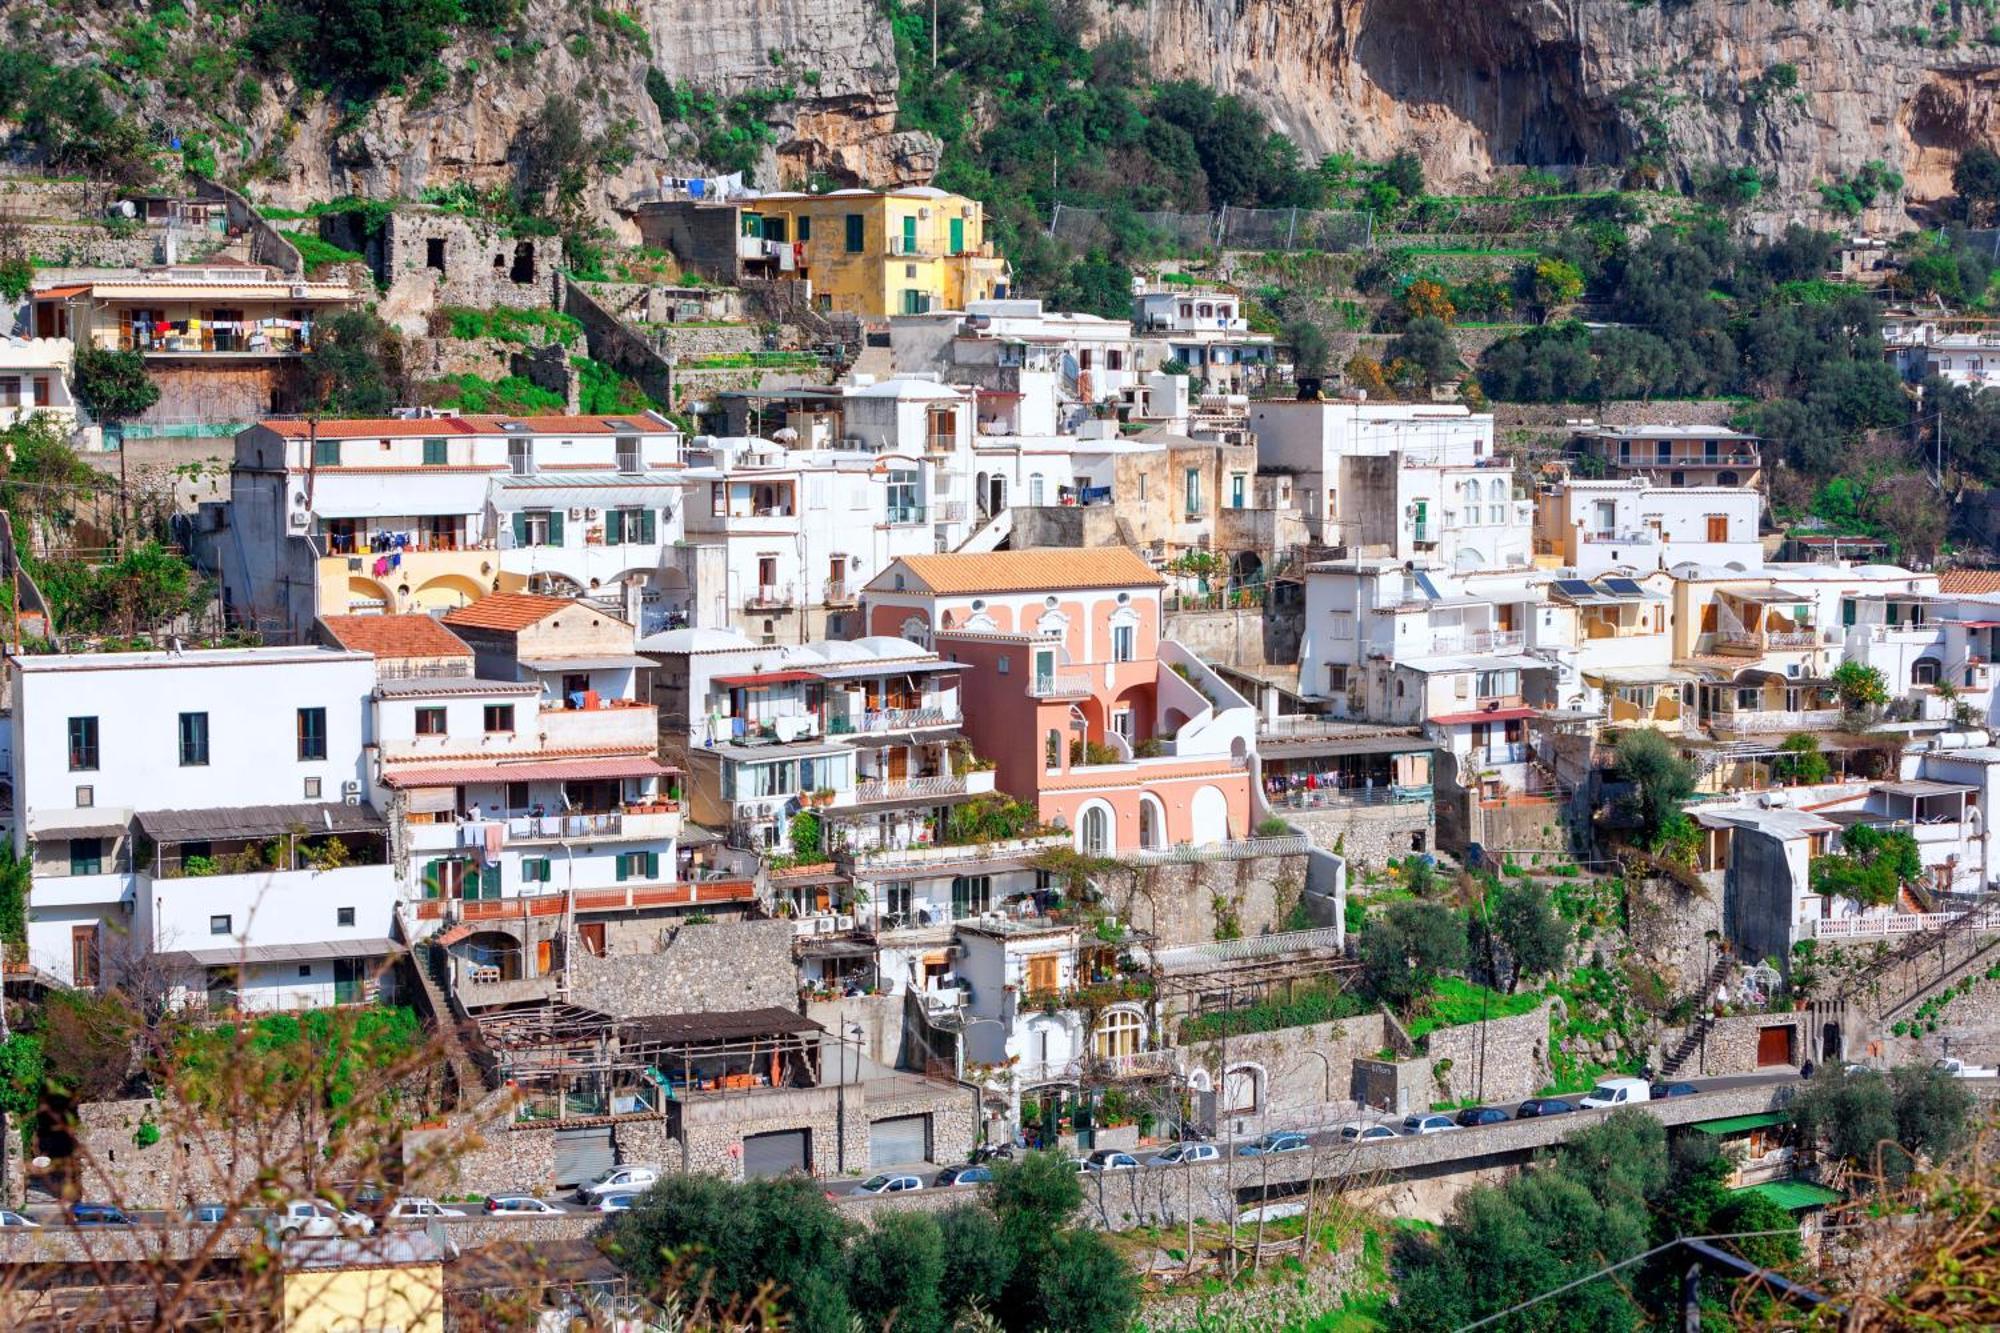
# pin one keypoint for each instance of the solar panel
(1574, 587)
(1624, 588)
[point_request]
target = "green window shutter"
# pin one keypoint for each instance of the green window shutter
(520, 529)
(555, 527)
(431, 879)
(652, 865)
(434, 453)
(624, 868)
(806, 228)
(646, 528)
(958, 236)
(856, 233)
(614, 527)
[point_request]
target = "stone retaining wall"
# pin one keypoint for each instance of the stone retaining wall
(723, 965)
(1188, 903)
(1300, 1069)
(1369, 835)
(1514, 1056)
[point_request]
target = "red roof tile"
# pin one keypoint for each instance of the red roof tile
(395, 636)
(506, 611)
(1969, 582)
(371, 428)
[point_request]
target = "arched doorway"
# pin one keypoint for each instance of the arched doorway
(1152, 822)
(1243, 1090)
(1209, 817)
(1094, 831)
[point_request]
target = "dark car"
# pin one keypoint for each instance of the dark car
(1474, 1116)
(1662, 1091)
(964, 1175)
(97, 1215)
(1535, 1106)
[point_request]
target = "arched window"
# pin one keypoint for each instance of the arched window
(1096, 831)
(1924, 671)
(1496, 489)
(1121, 1033)
(918, 631)
(1472, 490)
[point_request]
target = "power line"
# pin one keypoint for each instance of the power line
(1609, 1269)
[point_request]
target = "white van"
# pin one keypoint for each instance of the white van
(1617, 1092)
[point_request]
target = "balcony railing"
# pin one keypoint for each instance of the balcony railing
(771, 597)
(1622, 538)
(893, 719)
(1329, 798)
(1480, 641)
(840, 593)
(1060, 684)
(1771, 721)
(909, 789)
(905, 514)
(619, 897)
(1292, 844)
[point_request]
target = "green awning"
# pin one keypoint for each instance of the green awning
(1792, 1195)
(1743, 1124)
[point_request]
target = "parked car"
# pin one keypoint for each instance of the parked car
(1427, 1124)
(1957, 1068)
(1474, 1116)
(617, 1203)
(1617, 1092)
(1276, 1141)
(518, 1204)
(13, 1221)
(97, 1215)
(1535, 1106)
(207, 1214)
(964, 1175)
(1183, 1153)
(416, 1207)
(618, 1180)
(1078, 1165)
(1107, 1159)
(317, 1217)
(887, 1184)
(1662, 1091)
(1365, 1131)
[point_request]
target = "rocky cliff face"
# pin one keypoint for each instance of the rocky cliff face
(1801, 89)
(1478, 83)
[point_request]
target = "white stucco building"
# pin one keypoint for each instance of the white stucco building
(429, 513)
(186, 807)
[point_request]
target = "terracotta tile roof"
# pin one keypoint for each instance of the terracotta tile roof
(506, 611)
(1052, 570)
(372, 428)
(1970, 582)
(395, 636)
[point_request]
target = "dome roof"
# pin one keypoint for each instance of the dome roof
(693, 640)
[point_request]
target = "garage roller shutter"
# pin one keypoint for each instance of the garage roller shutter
(583, 1154)
(903, 1140)
(774, 1154)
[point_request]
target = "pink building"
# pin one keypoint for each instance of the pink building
(1126, 738)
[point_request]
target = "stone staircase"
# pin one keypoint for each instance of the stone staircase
(1977, 957)
(1697, 1031)
(467, 1075)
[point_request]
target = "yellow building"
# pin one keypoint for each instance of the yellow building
(875, 253)
(392, 1280)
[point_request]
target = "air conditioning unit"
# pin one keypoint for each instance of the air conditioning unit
(576, 515)
(352, 798)
(300, 290)
(301, 521)
(350, 788)
(592, 515)
(843, 923)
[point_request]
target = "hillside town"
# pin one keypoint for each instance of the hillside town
(835, 762)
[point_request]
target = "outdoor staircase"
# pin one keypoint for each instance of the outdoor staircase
(445, 1020)
(1977, 959)
(1697, 1033)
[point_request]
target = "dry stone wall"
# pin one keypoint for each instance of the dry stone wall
(719, 966)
